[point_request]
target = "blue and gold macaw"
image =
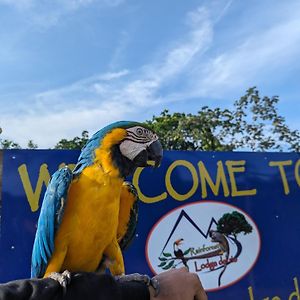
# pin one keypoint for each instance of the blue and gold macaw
(91, 212)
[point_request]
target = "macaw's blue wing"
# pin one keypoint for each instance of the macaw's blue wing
(128, 215)
(49, 220)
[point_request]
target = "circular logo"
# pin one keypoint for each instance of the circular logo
(219, 242)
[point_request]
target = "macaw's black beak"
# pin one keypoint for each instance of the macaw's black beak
(155, 153)
(152, 156)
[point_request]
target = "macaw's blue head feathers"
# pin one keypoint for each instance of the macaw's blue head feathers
(123, 145)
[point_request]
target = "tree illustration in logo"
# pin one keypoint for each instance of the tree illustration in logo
(233, 224)
(227, 228)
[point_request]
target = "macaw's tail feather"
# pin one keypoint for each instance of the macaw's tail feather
(51, 214)
(128, 215)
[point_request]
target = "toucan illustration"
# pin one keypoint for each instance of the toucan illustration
(178, 252)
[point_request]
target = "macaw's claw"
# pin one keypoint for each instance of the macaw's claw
(63, 279)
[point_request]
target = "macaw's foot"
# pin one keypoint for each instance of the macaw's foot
(63, 279)
(140, 278)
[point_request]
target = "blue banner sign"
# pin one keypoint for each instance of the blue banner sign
(231, 217)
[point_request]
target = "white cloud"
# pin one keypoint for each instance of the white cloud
(113, 75)
(257, 58)
(47, 128)
(120, 51)
(186, 64)
(94, 101)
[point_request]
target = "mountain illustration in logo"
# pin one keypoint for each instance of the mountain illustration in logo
(182, 215)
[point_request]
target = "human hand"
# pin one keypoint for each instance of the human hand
(178, 284)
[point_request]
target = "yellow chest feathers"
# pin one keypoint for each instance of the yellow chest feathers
(94, 201)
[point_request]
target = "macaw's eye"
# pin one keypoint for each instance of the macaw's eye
(139, 131)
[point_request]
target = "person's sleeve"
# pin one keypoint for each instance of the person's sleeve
(83, 286)
(91, 286)
(134, 291)
(31, 289)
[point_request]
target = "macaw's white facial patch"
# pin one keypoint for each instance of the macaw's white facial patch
(131, 149)
(138, 139)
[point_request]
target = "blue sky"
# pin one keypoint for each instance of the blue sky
(71, 65)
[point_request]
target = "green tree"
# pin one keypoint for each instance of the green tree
(257, 125)
(31, 145)
(8, 144)
(253, 124)
(75, 143)
(233, 223)
(181, 131)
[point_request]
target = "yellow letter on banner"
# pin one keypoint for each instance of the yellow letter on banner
(142, 197)
(295, 295)
(34, 196)
(220, 179)
(297, 173)
(250, 290)
(280, 165)
(237, 167)
(169, 186)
